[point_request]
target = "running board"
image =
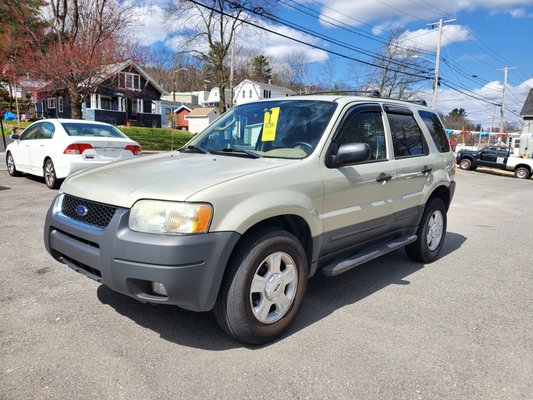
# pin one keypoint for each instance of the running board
(337, 268)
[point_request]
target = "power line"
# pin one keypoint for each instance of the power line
(261, 12)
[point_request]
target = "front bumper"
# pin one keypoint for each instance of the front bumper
(189, 266)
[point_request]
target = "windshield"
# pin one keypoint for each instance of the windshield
(88, 129)
(281, 129)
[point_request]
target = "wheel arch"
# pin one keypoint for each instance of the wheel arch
(294, 224)
(442, 192)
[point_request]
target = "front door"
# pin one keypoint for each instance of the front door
(358, 199)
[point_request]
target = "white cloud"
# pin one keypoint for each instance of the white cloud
(426, 39)
(356, 13)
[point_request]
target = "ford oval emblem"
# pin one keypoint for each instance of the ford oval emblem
(81, 210)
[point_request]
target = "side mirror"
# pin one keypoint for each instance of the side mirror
(349, 153)
(14, 136)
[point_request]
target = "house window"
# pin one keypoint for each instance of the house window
(105, 102)
(267, 94)
(130, 81)
(149, 107)
(51, 102)
(244, 94)
(60, 104)
(250, 93)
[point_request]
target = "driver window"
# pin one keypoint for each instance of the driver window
(31, 132)
(366, 127)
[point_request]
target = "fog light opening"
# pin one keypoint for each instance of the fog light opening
(159, 288)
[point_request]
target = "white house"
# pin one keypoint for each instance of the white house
(249, 90)
(200, 118)
(213, 100)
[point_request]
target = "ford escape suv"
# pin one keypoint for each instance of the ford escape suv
(268, 195)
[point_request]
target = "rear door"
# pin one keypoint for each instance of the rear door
(412, 162)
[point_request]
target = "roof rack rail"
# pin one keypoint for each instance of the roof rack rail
(419, 102)
(369, 93)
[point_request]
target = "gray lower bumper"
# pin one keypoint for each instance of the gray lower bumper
(189, 266)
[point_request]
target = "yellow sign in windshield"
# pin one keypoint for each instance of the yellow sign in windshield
(270, 124)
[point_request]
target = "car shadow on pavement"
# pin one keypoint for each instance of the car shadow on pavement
(324, 296)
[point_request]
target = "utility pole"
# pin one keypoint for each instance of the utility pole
(505, 70)
(437, 58)
(232, 67)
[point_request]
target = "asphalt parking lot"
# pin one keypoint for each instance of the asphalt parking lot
(459, 328)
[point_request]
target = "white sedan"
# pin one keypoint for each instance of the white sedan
(55, 148)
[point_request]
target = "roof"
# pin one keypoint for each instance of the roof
(527, 110)
(201, 112)
(267, 86)
(119, 67)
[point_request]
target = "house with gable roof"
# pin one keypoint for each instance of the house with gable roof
(127, 95)
(249, 90)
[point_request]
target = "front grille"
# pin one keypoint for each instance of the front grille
(97, 214)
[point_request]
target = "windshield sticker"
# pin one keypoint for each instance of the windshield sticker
(270, 124)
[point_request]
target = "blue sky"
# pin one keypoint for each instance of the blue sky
(487, 36)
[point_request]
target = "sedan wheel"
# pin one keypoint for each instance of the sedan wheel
(50, 177)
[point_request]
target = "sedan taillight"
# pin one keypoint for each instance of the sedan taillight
(136, 150)
(77, 148)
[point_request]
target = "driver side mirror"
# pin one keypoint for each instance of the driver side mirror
(349, 153)
(14, 136)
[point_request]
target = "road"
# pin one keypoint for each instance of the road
(459, 328)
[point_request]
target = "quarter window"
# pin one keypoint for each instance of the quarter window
(406, 136)
(436, 130)
(365, 127)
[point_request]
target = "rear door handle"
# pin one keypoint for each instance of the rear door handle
(383, 178)
(426, 170)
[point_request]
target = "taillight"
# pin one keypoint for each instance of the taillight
(77, 148)
(136, 150)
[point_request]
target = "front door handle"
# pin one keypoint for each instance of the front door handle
(383, 178)
(426, 170)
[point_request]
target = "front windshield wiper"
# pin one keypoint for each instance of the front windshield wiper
(193, 149)
(238, 152)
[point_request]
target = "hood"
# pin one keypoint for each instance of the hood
(170, 176)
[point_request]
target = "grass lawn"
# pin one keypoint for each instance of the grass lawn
(157, 138)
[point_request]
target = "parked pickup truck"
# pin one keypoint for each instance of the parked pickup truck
(495, 157)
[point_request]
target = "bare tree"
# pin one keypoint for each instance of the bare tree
(218, 21)
(296, 70)
(394, 75)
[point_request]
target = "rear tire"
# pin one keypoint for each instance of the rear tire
(465, 163)
(263, 287)
(522, 173)
(431, 233)
(11, 168)
(50, 177)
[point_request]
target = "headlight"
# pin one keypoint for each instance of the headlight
(153, 216)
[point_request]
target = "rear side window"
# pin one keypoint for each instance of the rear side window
(436, 130)
(406, 136)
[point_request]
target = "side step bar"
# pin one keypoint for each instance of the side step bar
(337, 268)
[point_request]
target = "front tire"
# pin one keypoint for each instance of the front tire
(431, 233)
(11, 168)
(465, 163)
(522, 173)
(263, 287)
(50, 177)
